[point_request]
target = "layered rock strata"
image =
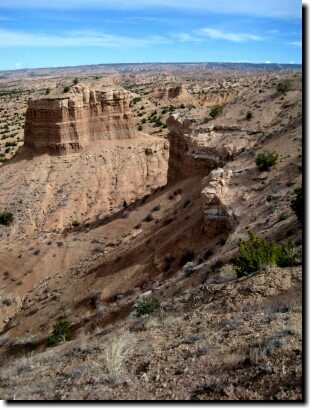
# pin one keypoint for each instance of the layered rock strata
(66, 123)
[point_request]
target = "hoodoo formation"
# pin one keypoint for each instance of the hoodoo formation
(67, 123)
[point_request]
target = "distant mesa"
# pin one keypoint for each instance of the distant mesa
(175, 92)
(66, 123)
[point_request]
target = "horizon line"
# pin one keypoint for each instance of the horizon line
(148, 63)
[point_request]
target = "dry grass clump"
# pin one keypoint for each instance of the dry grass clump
(115, 356)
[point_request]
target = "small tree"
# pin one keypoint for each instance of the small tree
(265, 160)
(61, 333)
(216, 110)
(297, 203)
(76, 81)
(257, 253)
(146, 306)
(285, 85)
(6, 218)
(249, 115)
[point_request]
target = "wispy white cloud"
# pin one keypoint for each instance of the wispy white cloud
(186, 37)
(295, 43)
(10, 38)
(273, 31)
(264, 8)
(215, 34)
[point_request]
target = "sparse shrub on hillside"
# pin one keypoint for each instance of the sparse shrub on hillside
(256, 253)
(61, 333)
(140, 127)
(149, 218)
(6, 218)
(206, 120)
(265, 160)
(285, 85)
(134, 101)
(66, 89)
(188, 268)
(216, 110)
(76, 81)
(47, 91)
(297, 203)
(249, 115)
(75, 223)
(227, 272)
(114, 358)
(146, 306)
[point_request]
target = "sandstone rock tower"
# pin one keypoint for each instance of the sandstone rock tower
(66, 123)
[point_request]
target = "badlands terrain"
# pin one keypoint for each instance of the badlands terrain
(128, 192)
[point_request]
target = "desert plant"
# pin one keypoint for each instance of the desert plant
(265, 160)
(114, 358)
(216, 110)
(285, 85)
(6, 218)
(256, 253)
(76, 81)
(66, 89)
(146, 306)
(61, 333)
(297, 203)
(140, 127)
(249, 115)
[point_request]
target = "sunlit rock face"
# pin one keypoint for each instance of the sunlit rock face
(66, 123)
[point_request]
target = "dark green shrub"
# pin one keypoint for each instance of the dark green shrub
(134, 101)
(140, 127)
(297, 203)
(6, 218)
(10, 144)
(265, 160)
(61, 333)
(285, 85)
(76, 81)
(216, 110)
(257, 253)
(249, 115)
(146, 306)
(47, 91)
(66, 89)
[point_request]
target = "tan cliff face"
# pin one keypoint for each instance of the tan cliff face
(67, 123)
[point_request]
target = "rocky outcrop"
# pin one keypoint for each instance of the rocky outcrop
(197, 150)
(67, 123)
(191, 151)
(218, 215)
(176, 92)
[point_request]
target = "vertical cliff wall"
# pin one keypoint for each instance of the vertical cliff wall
(65, 123)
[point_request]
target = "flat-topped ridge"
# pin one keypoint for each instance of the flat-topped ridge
(68, 122)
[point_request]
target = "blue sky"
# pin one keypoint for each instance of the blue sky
(50, 33)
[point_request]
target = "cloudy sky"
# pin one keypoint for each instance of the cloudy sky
(49, 33)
